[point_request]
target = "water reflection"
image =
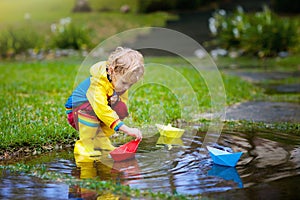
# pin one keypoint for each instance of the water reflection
(169, 142)
(127, 171)
(13, 186)
(226, 173)
(103, 168)
(186, 168)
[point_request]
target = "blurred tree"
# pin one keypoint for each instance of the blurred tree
(82, 6)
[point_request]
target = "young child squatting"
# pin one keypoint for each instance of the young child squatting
(97, 106)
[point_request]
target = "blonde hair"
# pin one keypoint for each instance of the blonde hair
(127, 62)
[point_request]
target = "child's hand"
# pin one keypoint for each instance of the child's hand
(131, 131)
(135, 133)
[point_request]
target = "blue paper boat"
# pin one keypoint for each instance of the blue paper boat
(222, 157)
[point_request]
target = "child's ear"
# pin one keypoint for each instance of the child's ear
(110, 69)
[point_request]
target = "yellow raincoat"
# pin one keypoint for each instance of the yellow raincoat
(98, 93)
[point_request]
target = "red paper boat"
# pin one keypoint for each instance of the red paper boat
(126, 151)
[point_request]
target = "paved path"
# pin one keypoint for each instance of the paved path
(259, 111)
(264, 111)
(267, 111)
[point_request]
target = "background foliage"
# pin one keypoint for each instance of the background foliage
(27, 25)
(66, 35)
(261, 33)
(18, 40)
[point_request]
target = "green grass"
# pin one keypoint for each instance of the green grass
(34, 93)
(15, 10)
(102, 25)
(32, 111)
(173, 94)
(271, 130)
(45, 10)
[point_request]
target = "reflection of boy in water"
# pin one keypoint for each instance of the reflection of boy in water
(117, 173)
(97, 106)
(91, 170)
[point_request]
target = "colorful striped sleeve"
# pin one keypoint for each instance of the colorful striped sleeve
(68, 110)
(116, 125)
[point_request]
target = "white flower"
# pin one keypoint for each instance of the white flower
(27, 16)
(224, 25)
(212, 20)
(239, 18)
(259, 28)
(222, 12)
(222, 52)
(200, 53)
(212, 26)
(258, 14)
(236, 33)
(65, 21)
(240, 9)
(53, 28)
(214, 54)
(218, 52)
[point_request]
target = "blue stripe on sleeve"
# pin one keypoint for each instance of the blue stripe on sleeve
(118, 126)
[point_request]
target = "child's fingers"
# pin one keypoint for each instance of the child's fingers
(139, 134)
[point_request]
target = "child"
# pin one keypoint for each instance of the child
(97, 106)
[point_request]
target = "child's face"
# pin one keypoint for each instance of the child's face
(121, 83)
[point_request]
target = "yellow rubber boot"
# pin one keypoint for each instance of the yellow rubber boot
(82, 148)
(107, 196)
(88, 126)
(87, 169)
(102, 141)
(81, 160)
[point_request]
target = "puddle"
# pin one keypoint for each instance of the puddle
(25, 187)
(181, 166)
